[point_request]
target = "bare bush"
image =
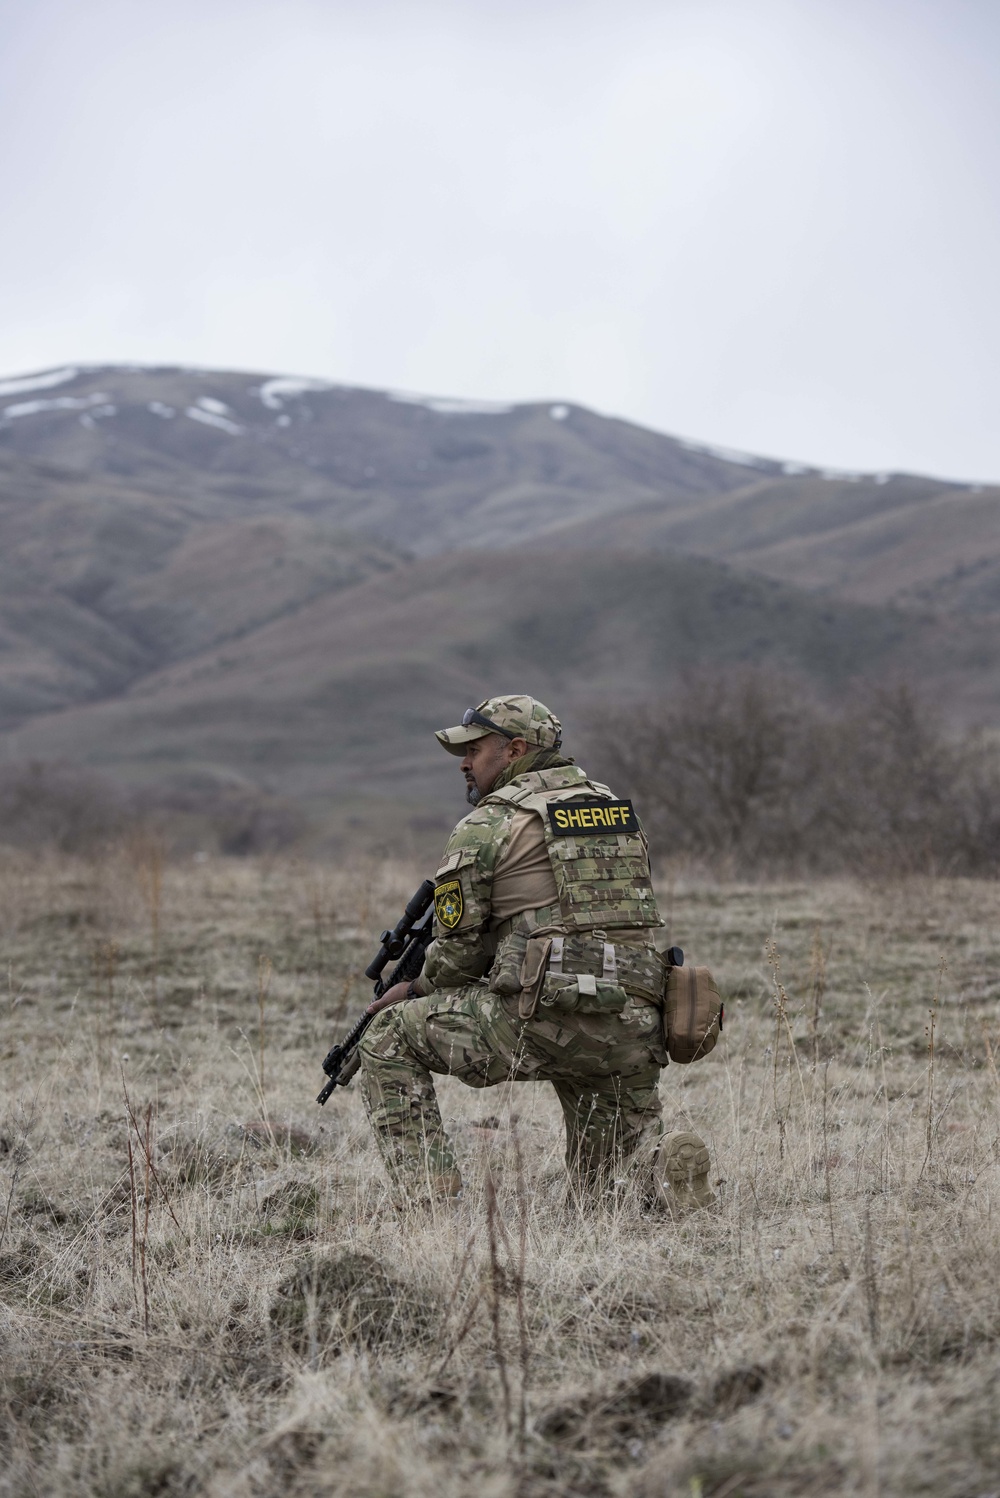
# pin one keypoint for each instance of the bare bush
(52, 805)
(232, 818)
(59, 806)
(750, 770)
(900, 792)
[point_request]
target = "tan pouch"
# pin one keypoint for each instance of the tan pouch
(692, 1014)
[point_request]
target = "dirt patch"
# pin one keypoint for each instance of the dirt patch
(348, 1300)
(632, 1410)
(736, 1387)
(291, 1209)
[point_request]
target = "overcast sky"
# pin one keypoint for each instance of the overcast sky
(768, 224)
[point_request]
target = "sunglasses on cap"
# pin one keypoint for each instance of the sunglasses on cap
(473, 715)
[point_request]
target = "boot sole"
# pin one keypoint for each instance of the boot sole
(681, 1172)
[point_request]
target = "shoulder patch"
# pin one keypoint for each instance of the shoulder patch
(448, 903)
(591, 815)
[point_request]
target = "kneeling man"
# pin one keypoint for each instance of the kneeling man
(543, 968)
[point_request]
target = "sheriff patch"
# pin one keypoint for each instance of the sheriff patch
(586, 817)
(448, 903)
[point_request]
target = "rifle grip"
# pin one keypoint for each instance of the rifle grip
(350, 1068)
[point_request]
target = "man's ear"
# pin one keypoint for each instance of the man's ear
(515, 748)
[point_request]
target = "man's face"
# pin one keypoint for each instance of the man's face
(484, 761)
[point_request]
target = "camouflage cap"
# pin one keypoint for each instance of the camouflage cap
(517, 717)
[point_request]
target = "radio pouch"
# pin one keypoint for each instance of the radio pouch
(533, 966)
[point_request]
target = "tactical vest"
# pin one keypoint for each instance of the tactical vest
(601, 873)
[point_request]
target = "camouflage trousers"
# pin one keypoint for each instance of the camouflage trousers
(604, 1068)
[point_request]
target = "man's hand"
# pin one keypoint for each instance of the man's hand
(394, 995)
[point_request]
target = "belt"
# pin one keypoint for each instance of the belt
(634, 935)
(506, 927)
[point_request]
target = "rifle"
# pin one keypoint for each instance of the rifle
(405, 944)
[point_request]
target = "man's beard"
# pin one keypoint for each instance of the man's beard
(472, 793)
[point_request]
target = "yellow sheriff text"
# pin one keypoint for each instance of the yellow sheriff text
(607, 816)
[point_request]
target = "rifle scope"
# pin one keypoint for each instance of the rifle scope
(394, 941)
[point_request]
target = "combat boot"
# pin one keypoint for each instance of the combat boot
(446, 1186)
(680, 1172)
(426, 1194)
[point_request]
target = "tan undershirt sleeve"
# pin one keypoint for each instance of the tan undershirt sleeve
(523, 878)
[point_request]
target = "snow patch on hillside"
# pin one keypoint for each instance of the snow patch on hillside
(59, 403)
(726, 454)
(274, 393)
(91, 418)
(37, 382)
(211, 419)
(450, 407)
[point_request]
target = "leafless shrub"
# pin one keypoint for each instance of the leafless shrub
(900, 792)
(749, 770)
(49, 804)
(234, 818)
(61, 806)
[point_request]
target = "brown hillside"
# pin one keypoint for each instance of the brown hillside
(289, 583)
(905, 540)
(339, 699)
(425, 474)
(102, 581)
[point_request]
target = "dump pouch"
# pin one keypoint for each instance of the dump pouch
(692, 1014)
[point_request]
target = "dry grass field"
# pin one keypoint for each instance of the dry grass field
(203, 1288)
